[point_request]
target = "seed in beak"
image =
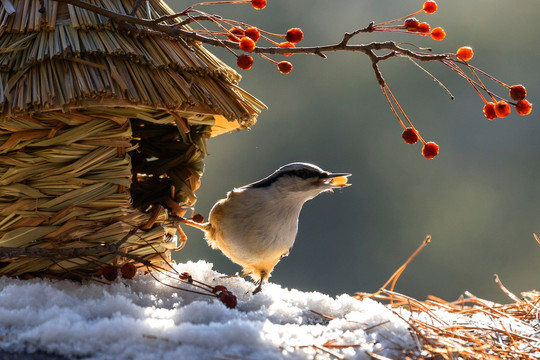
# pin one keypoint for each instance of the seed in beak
(339, 180)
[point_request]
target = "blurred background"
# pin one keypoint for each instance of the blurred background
(479, 199)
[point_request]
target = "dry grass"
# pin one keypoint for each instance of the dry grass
(468, 328)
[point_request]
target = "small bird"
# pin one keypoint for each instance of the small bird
(256, 225)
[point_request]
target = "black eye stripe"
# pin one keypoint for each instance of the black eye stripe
(301, 173)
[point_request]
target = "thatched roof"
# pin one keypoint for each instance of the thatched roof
(63, 57)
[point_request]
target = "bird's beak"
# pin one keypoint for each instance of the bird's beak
(336, 180)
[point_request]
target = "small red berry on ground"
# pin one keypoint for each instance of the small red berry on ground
(287, 44)
(430, 7)
(430, 150)
(518, 92)
(247, 44)
(235, 34)
(410, 135)
(502, 109)
(294, 35)
(438, 34)
(186, 277)
(253, 33)
(465, 53)
(424, 28)
(228, 299)
(218, 289)
(523, 107)
(489, 111)
(411, 24)
(258, 4)
(128, 270)
(109, 272)
(284, 67)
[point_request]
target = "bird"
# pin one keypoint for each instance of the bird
(255, 226)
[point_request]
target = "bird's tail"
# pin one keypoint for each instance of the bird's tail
(201, 226)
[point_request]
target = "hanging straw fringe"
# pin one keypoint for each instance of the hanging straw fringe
(70, 57)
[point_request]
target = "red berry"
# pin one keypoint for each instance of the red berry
(247, 44)
(430, 150)
(502, 109)
(186, 277)
(198, 218)
(294, 35)
(465, 53)
(410, 135)
(219, 288)
(518, 92)
(253, 33)
(430, 7)
(128, 270)
(523, 107)
(286, 45)
(424, 28)
(411, 24)
(489, 111)
(228, 299)
(284, 67)
(244, 62)
(235, 34)
(438, 34)
(109, 272)
(258, 4)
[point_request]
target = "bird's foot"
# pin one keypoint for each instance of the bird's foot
(258, 288)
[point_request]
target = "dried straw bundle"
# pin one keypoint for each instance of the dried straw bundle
(102, 134)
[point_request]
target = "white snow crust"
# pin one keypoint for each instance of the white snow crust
(143, 319)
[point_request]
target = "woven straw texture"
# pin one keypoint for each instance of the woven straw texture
(102, 135)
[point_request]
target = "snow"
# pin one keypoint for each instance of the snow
(143, 319)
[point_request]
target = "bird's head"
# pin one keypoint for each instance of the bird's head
(302, 179)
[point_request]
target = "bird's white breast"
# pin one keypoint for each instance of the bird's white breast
(259, 225)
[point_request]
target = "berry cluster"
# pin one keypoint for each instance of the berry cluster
(219, 291)
(412, 25)
(498, 107)
(247, 36)
(247, 41)
(410, 135)
(495, 106)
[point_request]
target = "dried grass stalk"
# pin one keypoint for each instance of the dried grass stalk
(80, 60)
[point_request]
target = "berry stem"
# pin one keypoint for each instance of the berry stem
(394, 30)
(433, 77)
(383, 88)
(386, 90)
(215, 21)
(401, 18)
(460, 72)
(269, 59)
(489, 76)
(218, 2)
(399, 106)
(479, 80)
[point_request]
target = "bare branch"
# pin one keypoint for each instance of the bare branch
(176, 32)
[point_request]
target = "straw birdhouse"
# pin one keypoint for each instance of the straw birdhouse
(102, 135)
